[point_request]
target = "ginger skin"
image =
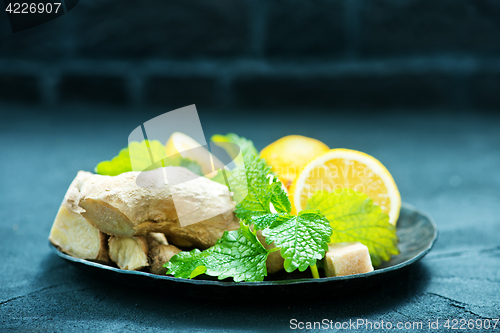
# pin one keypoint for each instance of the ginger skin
(118, 206)
(160, 255)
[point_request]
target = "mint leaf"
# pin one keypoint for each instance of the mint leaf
(238, 254)
(263, 188)
(354, 218)
(141, 153)
(219, 177)
(186, 264)
(183, 162)
(254, 177)
(279, 198)
(265, 221)
(246, 146)
(254, 186)
(303, 239)
(118, 165)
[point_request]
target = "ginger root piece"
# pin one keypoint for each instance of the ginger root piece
(180, 241)
(274, 261)
(160, 255)
(156, 238)
(347, 259)
(72, 233)
(130, 253)
(201, 235)
(118, 206)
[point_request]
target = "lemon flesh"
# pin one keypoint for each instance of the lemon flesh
(345, 168)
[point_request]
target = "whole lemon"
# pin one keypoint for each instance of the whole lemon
(290, 154)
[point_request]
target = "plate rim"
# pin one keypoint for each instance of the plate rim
(264, 283)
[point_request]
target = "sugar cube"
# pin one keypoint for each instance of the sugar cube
(346, 259)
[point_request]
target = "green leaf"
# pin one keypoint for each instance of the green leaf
(118, 165)
(303, 239)
(265, 221)
(254, 186)
(354, 218)
(246, 146)
(263, 188)
(219, 177)
(238, 254)
(183, 162)
(139, 154)
(186, 264)
(279, 198)
(252, 178)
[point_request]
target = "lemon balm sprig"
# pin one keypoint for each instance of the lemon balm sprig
(302, 239)
(355, 218)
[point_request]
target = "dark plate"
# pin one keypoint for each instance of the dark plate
(417, 233)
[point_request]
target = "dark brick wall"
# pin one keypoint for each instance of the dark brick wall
(131, 29)
(298, 29)
(333, 54)
(428, 27)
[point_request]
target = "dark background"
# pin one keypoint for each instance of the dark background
(234, 54)
(414, 83)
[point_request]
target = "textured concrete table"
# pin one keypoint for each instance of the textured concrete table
(448, 165)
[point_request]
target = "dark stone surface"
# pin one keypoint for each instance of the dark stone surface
(344, 90)
(45, 42)
(19, 88)
(445, 164)
(70, 4)
(484, 89)
(300, 28)
(390, 27)
(175, 91)
(181, 28)
(93, 89)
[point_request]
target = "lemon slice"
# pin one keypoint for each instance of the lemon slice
(341, 168)
(187, 147)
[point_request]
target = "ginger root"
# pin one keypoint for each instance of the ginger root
(72, 233)
(274, 261)
(118, 206)
(139, 218)
(130, 253)
(160, 255)
(156, 238)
